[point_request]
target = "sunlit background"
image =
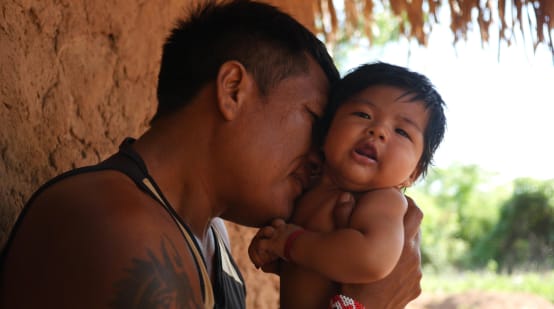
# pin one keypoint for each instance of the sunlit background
(500, 98)
(489, 198)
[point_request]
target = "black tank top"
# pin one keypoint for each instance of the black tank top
(228, 289)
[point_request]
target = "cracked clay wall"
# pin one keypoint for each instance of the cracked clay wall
(75, 78)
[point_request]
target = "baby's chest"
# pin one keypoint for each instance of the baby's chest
(316, 212)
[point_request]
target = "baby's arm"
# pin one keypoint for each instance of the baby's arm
(364, 252)
(379, 217)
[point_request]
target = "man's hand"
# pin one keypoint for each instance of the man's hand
(402, 285)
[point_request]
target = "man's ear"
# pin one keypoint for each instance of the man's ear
(233, 82)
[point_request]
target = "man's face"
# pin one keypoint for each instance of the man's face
(269, 168)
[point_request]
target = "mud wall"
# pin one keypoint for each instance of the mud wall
(78, 76)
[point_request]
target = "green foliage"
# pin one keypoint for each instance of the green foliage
(471, 224)
(458, 211)
(524, 234)
(384, 28)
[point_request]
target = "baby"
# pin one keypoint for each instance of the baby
(381, 129)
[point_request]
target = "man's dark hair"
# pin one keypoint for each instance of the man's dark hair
(269, 43)
(415, 84)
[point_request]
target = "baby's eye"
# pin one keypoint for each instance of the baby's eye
(403, 133)
(362, 115)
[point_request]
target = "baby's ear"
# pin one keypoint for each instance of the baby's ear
(411, 179)
(405, 184)
(233, 82)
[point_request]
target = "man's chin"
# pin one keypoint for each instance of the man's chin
(284, 211)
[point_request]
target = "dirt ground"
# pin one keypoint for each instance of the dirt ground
(480, 300)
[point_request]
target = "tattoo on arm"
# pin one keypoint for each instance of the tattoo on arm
(156, 282)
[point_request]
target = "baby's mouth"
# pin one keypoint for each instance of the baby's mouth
(367, 150)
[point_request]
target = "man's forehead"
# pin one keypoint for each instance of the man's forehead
(312, 84)
(320, 80)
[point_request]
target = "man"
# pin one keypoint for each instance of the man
(240, 86)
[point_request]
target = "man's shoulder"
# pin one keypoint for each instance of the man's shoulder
(108, 201)
(106, 189)
(101, 232)
(95, 204)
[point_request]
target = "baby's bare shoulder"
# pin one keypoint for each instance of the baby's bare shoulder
(383, 199)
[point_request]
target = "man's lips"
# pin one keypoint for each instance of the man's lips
(367, 150)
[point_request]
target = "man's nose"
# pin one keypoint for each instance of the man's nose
(314, 161)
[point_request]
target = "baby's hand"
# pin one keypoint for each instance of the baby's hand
(258, 251)
(269, 243)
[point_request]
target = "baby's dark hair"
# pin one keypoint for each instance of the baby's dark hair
(379, 73)
(269, 43)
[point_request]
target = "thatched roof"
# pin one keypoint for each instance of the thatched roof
(416, 18)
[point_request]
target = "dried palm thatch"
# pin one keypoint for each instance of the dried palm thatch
(416, 18)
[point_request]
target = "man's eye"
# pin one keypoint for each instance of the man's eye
(403, 133)
(362, 115)
(315, 117)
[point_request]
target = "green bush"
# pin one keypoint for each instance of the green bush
(470, 224)
(458, 210)
(523, 237)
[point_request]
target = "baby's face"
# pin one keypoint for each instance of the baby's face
(376, 139)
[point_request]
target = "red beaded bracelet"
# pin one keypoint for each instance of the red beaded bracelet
(290, 240)
(340, 301)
